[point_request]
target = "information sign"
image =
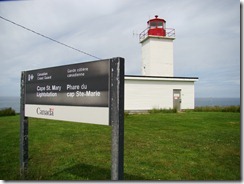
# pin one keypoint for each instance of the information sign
(71, 92)
(91, 92)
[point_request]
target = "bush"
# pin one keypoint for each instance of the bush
(231, 109)
(162, 111)
(218, 109)
(126, 114)
(7, 112)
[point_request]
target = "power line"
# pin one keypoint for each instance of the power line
(83, 52)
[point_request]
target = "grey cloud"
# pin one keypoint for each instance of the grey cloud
(206, 45)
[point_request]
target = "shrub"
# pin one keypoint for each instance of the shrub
(7, 112)
(162, 111)
(126, 114)
(218, 109)
(231, 109)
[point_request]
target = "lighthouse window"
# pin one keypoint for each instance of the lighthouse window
(153, 24)
(157, 24)
(160, 24)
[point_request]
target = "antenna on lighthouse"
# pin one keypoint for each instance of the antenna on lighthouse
(135, 34)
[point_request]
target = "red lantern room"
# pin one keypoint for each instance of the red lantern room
(157, 27)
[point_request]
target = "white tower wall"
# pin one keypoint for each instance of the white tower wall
(157, 56)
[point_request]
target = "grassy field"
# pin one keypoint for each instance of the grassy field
(158, 146)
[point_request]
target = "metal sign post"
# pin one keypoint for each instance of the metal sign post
(117, 117)
(23, 130)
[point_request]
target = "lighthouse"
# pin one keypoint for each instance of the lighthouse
(157, 87)
(157, 49)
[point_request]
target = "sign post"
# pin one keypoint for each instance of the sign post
(73, 93)
(117, 118)
(23, 131)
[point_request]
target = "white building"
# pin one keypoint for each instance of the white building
(157, 88)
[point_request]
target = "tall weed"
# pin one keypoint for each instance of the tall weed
(7, 112)
(162, 111)
(217, 109)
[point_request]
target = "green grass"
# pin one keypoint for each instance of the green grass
(158, 146)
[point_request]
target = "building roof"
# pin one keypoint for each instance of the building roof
(160, 78)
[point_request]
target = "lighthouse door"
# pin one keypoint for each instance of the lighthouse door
(177, 99)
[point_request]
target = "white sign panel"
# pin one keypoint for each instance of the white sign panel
(69, 113)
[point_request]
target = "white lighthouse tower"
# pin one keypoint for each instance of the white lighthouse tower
(157, 49)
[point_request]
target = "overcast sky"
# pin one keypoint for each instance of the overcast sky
(207, 43)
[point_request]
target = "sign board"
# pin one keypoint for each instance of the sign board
(72, 92)
(91, 92)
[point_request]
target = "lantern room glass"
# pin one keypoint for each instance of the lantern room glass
(156, 24)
